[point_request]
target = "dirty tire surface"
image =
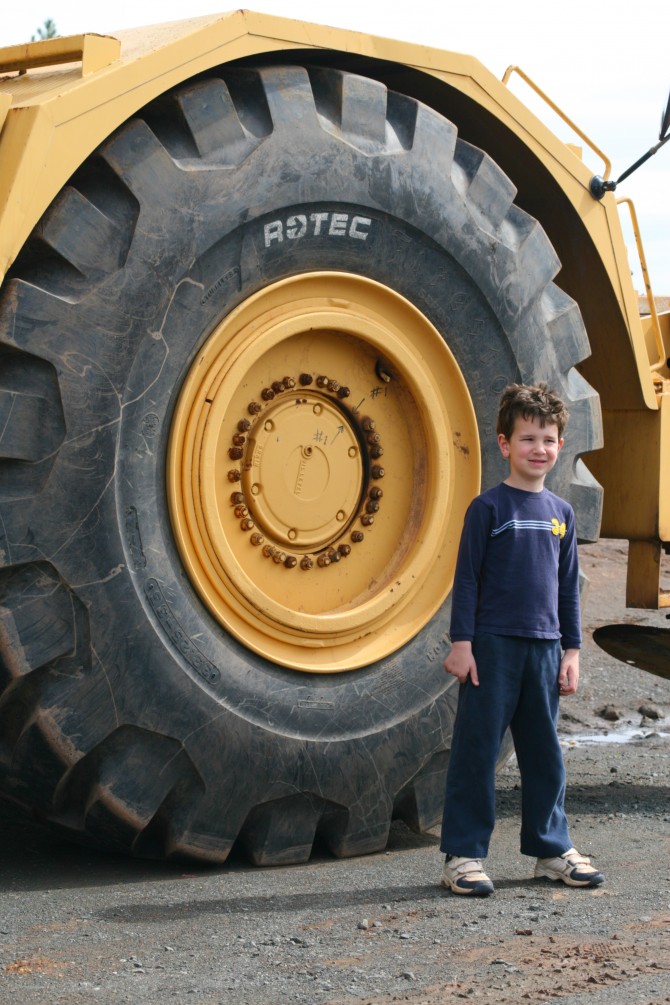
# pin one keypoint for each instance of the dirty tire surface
(128, 717)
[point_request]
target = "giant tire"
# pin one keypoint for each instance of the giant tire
(143, 708)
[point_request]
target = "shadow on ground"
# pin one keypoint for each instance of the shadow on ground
(32, 857)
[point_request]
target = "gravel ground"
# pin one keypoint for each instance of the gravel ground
(77, 927)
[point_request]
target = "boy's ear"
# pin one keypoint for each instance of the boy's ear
(504, 445)
(561, 441)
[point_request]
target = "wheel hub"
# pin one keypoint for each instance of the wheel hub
(322, 453)
(304, 472)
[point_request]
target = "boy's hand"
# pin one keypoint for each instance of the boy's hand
(461, 663)
(568, 674)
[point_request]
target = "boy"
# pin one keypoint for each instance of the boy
(515, 605)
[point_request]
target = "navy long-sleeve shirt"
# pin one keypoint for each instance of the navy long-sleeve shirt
(517, 571)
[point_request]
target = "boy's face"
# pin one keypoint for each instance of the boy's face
(532, 451)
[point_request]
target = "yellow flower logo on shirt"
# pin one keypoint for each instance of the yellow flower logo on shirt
(557, 529)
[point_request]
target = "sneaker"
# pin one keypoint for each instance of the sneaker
(570, 867)
(465, 875)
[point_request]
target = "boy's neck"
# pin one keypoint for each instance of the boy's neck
(526, 485)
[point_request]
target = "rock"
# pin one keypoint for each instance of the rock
(364, 924)
(610, 713)
(650, 712)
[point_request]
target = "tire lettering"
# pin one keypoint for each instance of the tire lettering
(274, 232)
(221, 281)
(338, 224)
(317, 219)
(356, 223)
(393, 679)
(477, 328)
(436, 651)
(296, 226)
(299, 225)
(178, 636)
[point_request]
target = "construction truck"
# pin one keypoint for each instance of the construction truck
(264, 282)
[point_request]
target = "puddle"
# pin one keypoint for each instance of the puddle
(626, 734)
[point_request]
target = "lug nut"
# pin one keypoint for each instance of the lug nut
(344, 550)
(267, 394)
(247, 524)
(277, 386)
(268, 551)
(343, 392)
(372, 506)
(306, 563)
(239, 440)
(322, 381)
(253, 408)
(289, 383)
(373, 439)
(256, 539)
(376, 452)
(323, 561)
(368, 424)
(367, 520)
(376, 492)
(243, 425)
(377, 471)
(357, 536)
(333, 385)
(333, 555)
(237, 498)
(279, 557)
(241, 511)
(234, 475)
(305, 379)
(235, 453)
(290, 561)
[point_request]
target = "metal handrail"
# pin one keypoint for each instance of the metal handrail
(656, 326)
(554, 107)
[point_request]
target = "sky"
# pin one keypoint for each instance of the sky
(605, 64)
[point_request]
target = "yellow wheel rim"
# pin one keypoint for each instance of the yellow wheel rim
(322, 454)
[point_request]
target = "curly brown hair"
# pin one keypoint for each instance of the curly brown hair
(530, 401)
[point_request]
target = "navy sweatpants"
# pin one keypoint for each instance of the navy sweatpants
(518, 687)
